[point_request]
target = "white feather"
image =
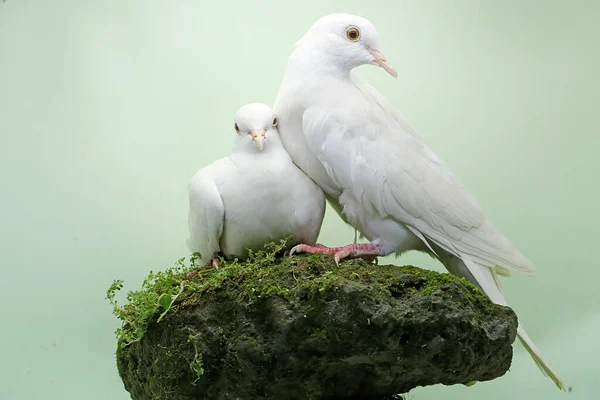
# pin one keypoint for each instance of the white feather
(485, 279)
(206, 216)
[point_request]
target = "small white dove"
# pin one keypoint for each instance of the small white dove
(254, 196)
(375, 169)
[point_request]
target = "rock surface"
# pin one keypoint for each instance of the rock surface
(304, 328)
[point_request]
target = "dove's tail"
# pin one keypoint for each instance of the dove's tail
(535, 354)
(487, 279)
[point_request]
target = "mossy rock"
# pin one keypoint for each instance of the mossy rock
(304, 328)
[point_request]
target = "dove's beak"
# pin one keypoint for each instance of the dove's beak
(259, 138)
(379, 59)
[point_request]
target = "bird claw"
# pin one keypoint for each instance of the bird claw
(295, 249)
(337, 259)
(214, 263)
(365, 251)
(190, 274)
(305, 248)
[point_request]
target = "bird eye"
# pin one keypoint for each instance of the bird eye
(353, 34)
(236, 127)
(275, 122)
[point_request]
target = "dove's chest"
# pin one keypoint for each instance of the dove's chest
(260, 204)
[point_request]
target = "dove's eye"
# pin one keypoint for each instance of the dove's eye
(275, 122)
(236, 127)
(353, 34)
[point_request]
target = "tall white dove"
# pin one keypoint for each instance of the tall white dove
(375, 169)
(254, 196)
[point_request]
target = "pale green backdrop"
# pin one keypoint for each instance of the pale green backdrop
(108, 107)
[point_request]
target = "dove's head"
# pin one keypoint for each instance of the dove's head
(344, 41)
(255, 123)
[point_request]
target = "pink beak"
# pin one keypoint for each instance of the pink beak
(259, 138)
(379, 59)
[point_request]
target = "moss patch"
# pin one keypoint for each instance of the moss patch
(303, 327)
(263, 275)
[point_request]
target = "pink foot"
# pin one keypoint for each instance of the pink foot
(366, 251)
(215, 263)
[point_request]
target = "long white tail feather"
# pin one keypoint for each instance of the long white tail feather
(497, 281)
(488, 281)
(539, 361)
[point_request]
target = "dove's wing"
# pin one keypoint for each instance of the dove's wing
(206, 217)
(373, 152)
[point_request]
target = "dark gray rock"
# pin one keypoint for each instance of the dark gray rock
(307, 329)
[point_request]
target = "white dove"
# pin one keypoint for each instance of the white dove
(254, 196)
(375, 169)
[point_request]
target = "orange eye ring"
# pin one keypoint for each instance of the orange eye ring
(353, 34)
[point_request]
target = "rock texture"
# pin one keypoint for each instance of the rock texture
(304, 328)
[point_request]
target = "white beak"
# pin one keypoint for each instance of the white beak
(379, 59)
(259, 138)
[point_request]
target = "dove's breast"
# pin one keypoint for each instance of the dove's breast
(267, 201)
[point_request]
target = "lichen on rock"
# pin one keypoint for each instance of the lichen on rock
(303, 328)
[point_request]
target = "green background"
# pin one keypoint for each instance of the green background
(107, 108)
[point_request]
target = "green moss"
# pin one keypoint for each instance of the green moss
(189, 335)
(158, 294)
(196, 363)
(264, 275)
(319, 333)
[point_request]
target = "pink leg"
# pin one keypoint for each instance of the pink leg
(367, 251)
(215, 263)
